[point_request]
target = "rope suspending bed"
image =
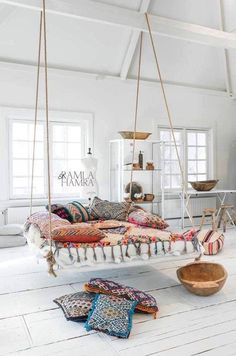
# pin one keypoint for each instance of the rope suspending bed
(43, 41)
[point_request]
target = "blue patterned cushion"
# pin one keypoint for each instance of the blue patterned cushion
(112, 315)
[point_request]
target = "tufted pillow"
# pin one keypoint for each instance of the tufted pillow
(212, 241)
(76, 306)
(78, 212)
(112, 315)
(77, 233)
(62, 211)
(145, 302)
(103, 209)
(143, 218)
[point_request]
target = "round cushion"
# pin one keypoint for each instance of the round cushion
(212, 241)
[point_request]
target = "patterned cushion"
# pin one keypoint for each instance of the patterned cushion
(112, 315)
(61, 211)
(146, 302)
(144, 234)
(103, 209)
(78, 212)
(77, 233)
(144, 218)
(41, 220)
(76, 306)
(212, 241)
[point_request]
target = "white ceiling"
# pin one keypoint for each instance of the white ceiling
(98, 48)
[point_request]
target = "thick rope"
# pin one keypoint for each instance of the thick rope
(136, 114)
(36, 114)
(183, 184)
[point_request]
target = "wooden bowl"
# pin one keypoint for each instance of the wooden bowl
(129, 135)
(204, 185)
(202, 278)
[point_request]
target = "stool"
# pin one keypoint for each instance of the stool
(224, 214)
(210, 212)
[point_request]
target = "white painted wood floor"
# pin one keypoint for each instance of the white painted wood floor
(31, 324)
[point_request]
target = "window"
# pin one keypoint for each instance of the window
(67, 146)
(193, 148)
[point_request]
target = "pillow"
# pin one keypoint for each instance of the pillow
(62, 211)
(112, 315)
(103, 209)
(76, 306)
(41, 220)
(78, 212)
(143, 218)
(144, 234)
(212, 241)
(146, 302)
(77, 233)
(11, 229)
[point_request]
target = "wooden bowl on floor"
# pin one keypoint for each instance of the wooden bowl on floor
(202, 278)
(129, 135)
(204, 185)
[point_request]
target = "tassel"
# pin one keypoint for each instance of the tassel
(149, 250)
(126, 251)
(51, 262)
(77, 253)
(85, 254)
(94, 254)
(121, 254)
(103, 253)
(70, 254)
(163, 247)
(112, 253)
(156, 249)
(139, 248)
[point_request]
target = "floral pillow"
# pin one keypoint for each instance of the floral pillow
(145, 302)
(105, 210)
(112, 315)
(143, 218)
(76, 306)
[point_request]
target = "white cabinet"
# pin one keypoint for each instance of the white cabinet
(120, 154)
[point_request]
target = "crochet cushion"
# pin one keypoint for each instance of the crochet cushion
(103, 209)
(77, 233)
(62, 211)
(78, 212)
(145, 302)
(112, 315)
(76, 306)
(143, 218)
(212, 241)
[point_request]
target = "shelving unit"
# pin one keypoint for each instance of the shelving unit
(120, 153)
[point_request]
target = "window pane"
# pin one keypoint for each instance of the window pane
(192, 178)
(38, 188)
(74, 165)
(20, 149)
(165, 135)
(174, 153)
(59, 132)
(192, 153)
(201, 152)
(167, 152)
(59, 150)
(20, 167)
(192, 139)
(39, 132)
(39, 150)
(167, 167)
(201, 139)
(38, 168)
(201, 177)
(167, 181)
(74, 134)
(59, 166)
(175, 167)
(176, 181)
(19, 131)
(201, 167)
(192, 167)
(74, 150)
(20, 182)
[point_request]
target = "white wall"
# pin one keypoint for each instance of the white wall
(112, 103)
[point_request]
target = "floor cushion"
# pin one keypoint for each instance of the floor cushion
(11, 229)
(103, 209)
(145, 302)
(78, 212)
(12, 241)
(212, 241)
(111, 315)
(143, 218)
(77, 233)
(76, 306)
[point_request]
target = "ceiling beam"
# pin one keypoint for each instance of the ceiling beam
(117, 16)
(133, 44)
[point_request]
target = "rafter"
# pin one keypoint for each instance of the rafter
(116, 16)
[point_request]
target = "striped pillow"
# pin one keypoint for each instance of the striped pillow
(212, 241)
(77, 234)
(78, 212)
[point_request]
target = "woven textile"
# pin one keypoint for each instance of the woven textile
(103, 209)
(146, 302)
(78, 212)
(212, 241)
(61, 211)
(143, 218)
(112, 315)
(76, 306)
(77, 233)
(41, 220)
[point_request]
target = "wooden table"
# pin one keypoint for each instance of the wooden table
(221, 194)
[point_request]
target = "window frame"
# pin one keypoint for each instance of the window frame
(85, 120)
(209, 150)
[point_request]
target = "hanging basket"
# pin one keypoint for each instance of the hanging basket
(202, 278)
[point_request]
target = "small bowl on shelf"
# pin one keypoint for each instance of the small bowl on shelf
(204, 185)
(129, 135)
